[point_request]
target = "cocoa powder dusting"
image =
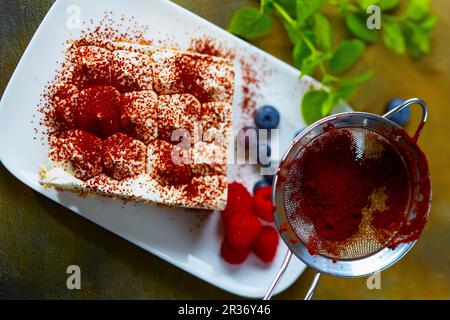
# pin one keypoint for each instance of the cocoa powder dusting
(250, 76)
(210, 47)
(250, 87)
(94, 86)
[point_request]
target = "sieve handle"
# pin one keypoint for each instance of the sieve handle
(406, 104)
(313, 286)
(278, 276)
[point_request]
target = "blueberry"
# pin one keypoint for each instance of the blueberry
(402, 117)
(260, 184)
(267, 117)
(269, 178)
(298, 132)
(265, 151)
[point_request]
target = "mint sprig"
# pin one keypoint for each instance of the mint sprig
(316, 53)
(250, 23)
(347, 54)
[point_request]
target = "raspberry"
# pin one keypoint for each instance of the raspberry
(265, 245)
(262, 203)
(233, 255)
(242, 230)
(238, 194)
(234, 210)
(239, 200)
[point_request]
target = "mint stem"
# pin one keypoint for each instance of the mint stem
(280, 10)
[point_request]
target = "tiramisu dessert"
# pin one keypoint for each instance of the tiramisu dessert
(141, 123)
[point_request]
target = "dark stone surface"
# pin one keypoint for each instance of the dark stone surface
(39, 238)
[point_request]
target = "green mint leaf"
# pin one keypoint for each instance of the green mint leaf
(418, 9)
(306, 58)
(354, 81)
(347, 86)
(266, 5)
(294, 34)
(387, 5)
(313, 103)
(250, 23)
(343, 93)
(364, 4)
(347, 53)
(301, 52)
(417, 35)
(420, 39)
(429, 22)
(417, 39)
(309, 63)
(413, 50)
(392, 36)
(322, 30)
(306, 8)
(356, 23)
(328, 105)
(289, 6)
(329, 79)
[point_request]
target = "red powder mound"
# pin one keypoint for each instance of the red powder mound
(123, 156)
(335, 185)
(80, 150)
(266, 244)
(262, 203)
(391, 219)
(99, 110)
(233, 255)
(333, 192)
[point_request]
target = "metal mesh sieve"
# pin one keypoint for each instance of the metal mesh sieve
(366, 147)
(362, 253)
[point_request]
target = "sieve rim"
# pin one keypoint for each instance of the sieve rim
(349, 267)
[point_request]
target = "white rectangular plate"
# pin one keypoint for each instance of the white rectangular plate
(188, 240)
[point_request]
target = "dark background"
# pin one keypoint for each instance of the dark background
(39, 238)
